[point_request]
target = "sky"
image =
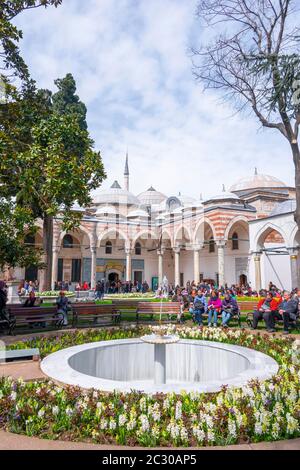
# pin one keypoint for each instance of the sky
(133, 69)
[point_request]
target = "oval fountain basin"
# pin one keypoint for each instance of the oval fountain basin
(128, 364)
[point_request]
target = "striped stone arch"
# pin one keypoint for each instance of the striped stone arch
(81, 228)
(143, 236)
(166, 235)
(264, 232)
(114, 231)
(235, 220)
(203, 221)
(183, 229)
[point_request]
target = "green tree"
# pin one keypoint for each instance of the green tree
(13, 250)
(47, 162)
(65, 101)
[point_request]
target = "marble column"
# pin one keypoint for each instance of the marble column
(128, 264)
(197, 249)
(160, 254)
(221, 261)
(93, 266)
(55, 253)
(257, 267)
(177, 266)
(293, 252)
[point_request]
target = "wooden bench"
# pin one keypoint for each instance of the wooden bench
(156, 308)
(125, 307)
(29, 316)
(12, 355)
(93, 312)
(248, 305)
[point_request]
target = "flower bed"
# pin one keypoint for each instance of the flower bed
(265, 411)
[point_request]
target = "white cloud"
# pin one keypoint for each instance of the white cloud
(130, 61)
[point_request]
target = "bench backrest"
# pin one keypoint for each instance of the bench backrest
(32, 311)
(248, 305)
(92, 308)
(125, 304)
(157, 307)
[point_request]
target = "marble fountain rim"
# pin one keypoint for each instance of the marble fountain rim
(56, 366)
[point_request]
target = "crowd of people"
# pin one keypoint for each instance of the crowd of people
(203, 301)
(207, 301)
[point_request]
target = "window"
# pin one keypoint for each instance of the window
(60, 270)
(29, 240)
(211, 245)
(138, 249)
(138, 276)
(76, 270)
(108, 248)
(182, 279)
(68, 241)
(235, 241)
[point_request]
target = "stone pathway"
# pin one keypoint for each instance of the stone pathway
(10, 441)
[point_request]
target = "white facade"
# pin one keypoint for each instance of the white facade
(226, 239)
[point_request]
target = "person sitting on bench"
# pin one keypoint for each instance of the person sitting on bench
(265, 310)
(229, 309)
(289, 311)
(62, 307)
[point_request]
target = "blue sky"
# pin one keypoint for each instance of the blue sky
(131, 64)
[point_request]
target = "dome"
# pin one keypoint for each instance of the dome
(110, 210)
(257, 181)
(114, 195)
(137, 213)
(151, 196)
(224, 196)
(284, 207)
(186, 200)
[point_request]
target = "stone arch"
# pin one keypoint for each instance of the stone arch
(74, 232)
(117, 233)
(184, 231)
(198, 239)
(264, 232)
(243, 221)
(140, 235)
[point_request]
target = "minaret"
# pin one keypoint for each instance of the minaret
(126, 174)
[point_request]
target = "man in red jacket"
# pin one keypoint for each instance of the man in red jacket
(265, 310)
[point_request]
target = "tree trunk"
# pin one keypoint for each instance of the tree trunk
(296, 157)
(47, 248)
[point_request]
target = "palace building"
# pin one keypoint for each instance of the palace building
(244, 235)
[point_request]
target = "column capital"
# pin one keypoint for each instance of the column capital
(93, 249)
(220, 243)
(293, 251)
(198, 246)
(256, 254)
(128, 251)
(56, 249)
(161, 252)
(176, 249)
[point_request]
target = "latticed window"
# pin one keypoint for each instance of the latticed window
(108, 248)
(235, 241)
(138, 248)
(211, 245)
(68, 241)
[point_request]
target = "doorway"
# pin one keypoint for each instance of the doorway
(243, 280)
(113, 277)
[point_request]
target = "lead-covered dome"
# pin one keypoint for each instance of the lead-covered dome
(114, 195)
(257, 181)
(151, 197)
